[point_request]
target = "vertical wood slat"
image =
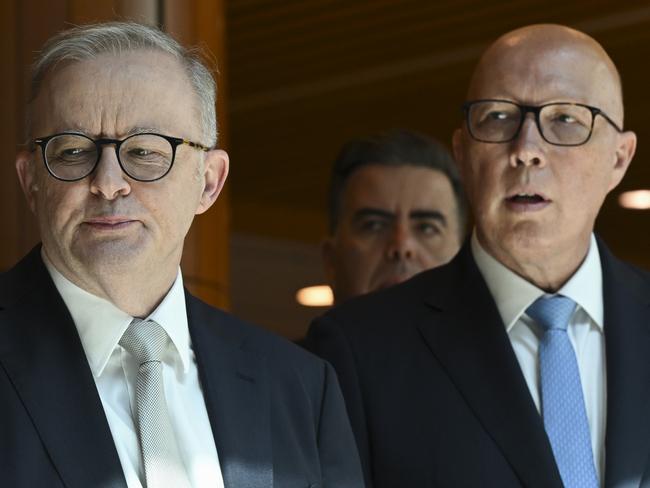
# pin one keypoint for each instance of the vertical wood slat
(25, 26)
(9, 194)
(84, 12)
(205, 260)
(210, 22)
(144, 11)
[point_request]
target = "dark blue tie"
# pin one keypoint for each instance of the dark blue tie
(563, 405)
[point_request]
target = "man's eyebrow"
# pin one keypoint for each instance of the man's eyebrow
(373, 212)
(142, 130)
(77, 129)
(415, 214)
(429, 214)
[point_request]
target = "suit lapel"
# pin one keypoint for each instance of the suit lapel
(470, 341)
(627, 343)
(236, 390)
(41, 352)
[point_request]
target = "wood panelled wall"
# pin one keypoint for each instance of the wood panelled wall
(24, 26)
(307, 76)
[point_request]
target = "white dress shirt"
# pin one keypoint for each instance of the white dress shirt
(100, 325)
(513, 295)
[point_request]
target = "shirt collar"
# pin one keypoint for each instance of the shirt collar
(101, 324)
(513, 294)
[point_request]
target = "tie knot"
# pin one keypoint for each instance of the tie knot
(552, 312)
(145, 339)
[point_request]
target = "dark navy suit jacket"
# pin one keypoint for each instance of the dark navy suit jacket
(436, 396)
(276, 411)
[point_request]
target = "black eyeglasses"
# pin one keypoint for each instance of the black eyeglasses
(143, 157)
(561, 124)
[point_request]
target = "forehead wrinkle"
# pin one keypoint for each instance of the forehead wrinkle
(119, 112)
(535, 48)
(67, 109)
(115, 111)
(130, 70)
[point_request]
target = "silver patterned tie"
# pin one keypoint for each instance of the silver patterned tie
(146, 341)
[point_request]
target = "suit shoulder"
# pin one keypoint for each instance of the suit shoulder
(252, 337)
(293, 371)
(628, 276)
(21, 277)
(643, 275)
(394, 305)
(622, 273)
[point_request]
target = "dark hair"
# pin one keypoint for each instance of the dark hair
(397, 147)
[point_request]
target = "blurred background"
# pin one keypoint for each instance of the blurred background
(296, 80)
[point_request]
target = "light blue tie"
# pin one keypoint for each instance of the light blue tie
(563, 405)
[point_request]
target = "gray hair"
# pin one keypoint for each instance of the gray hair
(89, 41)
(396, 147)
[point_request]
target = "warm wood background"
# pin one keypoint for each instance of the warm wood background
(307, 75)
(300, 77)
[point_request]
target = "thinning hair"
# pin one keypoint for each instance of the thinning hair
(397, 147)
(92, 40)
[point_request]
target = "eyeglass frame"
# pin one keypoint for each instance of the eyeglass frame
(174, 142)
(536, 109)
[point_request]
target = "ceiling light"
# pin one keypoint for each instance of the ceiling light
(638, 199)
(315, 296)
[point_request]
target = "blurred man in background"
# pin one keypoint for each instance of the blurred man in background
(396, 207)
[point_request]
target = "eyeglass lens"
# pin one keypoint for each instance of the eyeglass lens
(143, 156)
(499, 121)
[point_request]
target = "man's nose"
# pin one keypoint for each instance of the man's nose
(527, 149)
(401, 243)
(108, 180)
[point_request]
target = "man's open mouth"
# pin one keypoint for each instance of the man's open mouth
(527, 198)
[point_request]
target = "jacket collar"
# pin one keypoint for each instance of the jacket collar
(626, 294)
(469, 340)
(42, 355)
(236, 387)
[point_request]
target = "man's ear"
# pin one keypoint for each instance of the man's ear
(215, 172)
(27, 177)
(623, 157)
(457, 149)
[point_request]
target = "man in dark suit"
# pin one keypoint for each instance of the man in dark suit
(523, 362)
(111, 375)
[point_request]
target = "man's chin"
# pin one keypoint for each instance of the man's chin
(523, 238)
(111, 253)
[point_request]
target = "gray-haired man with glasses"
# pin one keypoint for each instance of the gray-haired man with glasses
(524, 361)
(142, 156)
(111, 374)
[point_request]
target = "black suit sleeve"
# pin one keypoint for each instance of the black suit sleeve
(326, 339)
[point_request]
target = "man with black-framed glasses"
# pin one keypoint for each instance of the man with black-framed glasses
(524, 361)
(111, 374)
